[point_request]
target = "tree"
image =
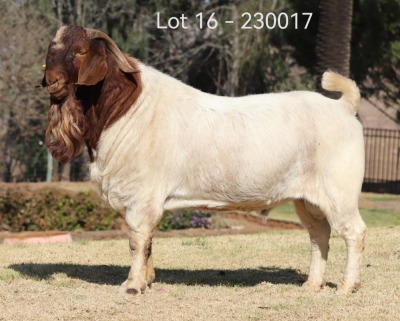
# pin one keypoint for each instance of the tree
(227, 60)
(333, 39)
(334, 36)
(376, 50)
(23, 39)
(375, 46)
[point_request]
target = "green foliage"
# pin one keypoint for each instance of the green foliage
(56, 209)
(182, 219)
(53, 209)
(376, 31)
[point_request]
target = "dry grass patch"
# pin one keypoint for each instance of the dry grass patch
(242, 277)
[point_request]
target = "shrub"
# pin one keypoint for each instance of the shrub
(181, 219)
(54, 209)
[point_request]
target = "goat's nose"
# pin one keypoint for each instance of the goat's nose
(54, 80)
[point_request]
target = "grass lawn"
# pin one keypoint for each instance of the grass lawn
(241, 277)
(377, 210)
(231, 277)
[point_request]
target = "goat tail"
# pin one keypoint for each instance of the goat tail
(333, 81)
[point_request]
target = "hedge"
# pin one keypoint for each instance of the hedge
(43, 207)
(55, 209)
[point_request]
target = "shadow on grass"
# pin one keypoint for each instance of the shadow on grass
(99, 274)
(115, 275)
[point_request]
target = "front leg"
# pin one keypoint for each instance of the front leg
(151, 274)
(142, 224)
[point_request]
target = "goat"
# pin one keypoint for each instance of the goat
(157, 144)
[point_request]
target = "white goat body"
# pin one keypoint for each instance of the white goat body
(180, 147)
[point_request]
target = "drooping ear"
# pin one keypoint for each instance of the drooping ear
(94, 66)
(122, 63)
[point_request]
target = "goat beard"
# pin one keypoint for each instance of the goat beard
(66, 129)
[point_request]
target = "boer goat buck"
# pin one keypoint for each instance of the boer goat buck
(157, 144)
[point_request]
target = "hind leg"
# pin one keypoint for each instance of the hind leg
(319, 231)
(353, 232)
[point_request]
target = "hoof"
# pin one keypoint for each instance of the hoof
(345, 288)
(313, 285)
(132, 288)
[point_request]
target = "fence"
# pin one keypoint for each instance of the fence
(382, 160)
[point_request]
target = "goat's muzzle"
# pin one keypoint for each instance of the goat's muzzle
(56, 85)
(51, 88)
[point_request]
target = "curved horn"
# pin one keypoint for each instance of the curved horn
(123, 64)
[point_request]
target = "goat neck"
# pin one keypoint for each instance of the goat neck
(109, 100)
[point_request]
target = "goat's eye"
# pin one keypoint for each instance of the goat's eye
(80, 53)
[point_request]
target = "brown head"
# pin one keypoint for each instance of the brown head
(91, 85)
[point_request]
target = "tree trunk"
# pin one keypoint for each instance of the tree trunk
(334, 35)
(49, 172)
(80, 19)
(66, 172)
(59, 13)
(56, 176)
